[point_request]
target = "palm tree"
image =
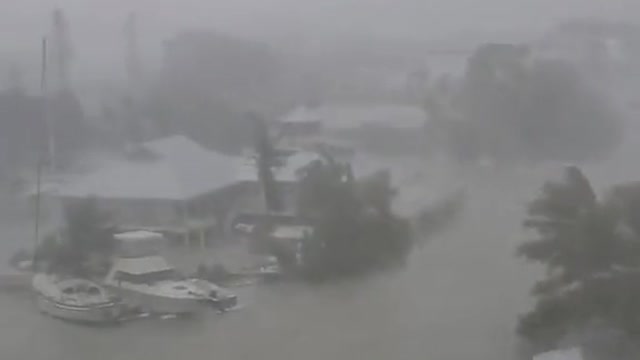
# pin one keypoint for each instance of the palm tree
(589, 260)
(266, 160)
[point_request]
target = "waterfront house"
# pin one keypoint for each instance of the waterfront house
(171, 185)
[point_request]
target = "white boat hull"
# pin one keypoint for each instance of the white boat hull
(148, 283)
(157, 303)
(106, 313)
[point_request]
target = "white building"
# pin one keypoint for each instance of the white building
(176, 187)
(171, 185)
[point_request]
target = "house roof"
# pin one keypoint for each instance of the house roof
(177, 169)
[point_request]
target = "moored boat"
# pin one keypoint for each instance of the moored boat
(75, 299)
(151, 285)
(147, 282)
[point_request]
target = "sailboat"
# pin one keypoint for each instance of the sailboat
(67, 297)
(75, 299)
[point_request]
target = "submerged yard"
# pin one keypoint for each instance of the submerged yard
(458, 299)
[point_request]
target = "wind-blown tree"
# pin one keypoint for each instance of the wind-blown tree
(355, 230)
(266, 160)
(513, 107)
(86, 244)
(591, 255)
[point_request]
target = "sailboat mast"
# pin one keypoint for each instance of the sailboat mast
(45, 100)
(37, 216)
(43, 86)
(43, 69)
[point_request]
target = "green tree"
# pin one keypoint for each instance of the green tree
(355, 230)
(590, 254)
(87, 243)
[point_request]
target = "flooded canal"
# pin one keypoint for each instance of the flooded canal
(459, 299)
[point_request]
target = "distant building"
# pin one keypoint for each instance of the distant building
(172, 186)
(382, 128)
(178, 188)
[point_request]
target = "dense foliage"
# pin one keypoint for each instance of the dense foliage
(513, 107)
(355, 230)
(592, 252)
(86, 244)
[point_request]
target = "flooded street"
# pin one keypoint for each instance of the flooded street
(459, 299)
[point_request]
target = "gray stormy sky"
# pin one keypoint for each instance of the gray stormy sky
(386, 16)
(96, 24)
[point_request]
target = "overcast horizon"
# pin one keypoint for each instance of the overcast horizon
(96, 25)
(268, 18)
